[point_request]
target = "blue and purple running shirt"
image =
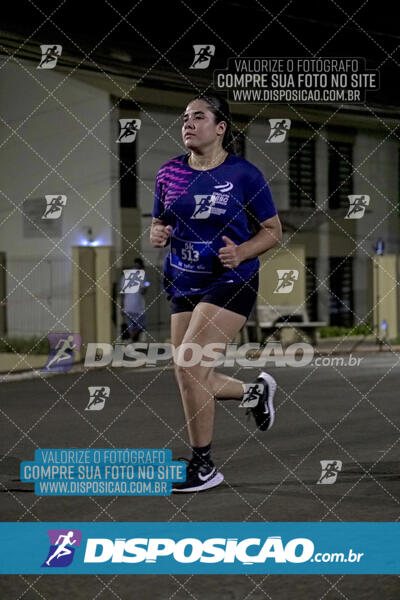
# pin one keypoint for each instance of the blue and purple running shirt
(202, 206)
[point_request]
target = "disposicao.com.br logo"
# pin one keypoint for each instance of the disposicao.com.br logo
(191, 550)
(200, 547)
(214, 354)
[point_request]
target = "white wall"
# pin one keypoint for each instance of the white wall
(51, 152)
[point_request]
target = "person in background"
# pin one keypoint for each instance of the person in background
(133, 306)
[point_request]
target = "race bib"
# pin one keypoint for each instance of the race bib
(194, 257)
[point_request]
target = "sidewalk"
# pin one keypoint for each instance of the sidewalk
(11, 361)
(353, 345)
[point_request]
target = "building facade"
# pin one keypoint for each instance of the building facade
(60, 132)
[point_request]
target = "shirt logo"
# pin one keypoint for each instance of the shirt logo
(225, 187)
(204, 202)
(62, 547)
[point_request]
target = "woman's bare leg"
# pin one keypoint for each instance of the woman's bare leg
(223, 386)
(199, 384)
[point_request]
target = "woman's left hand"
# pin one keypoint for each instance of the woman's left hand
(229, 254)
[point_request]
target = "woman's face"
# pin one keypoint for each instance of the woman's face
(199, 129)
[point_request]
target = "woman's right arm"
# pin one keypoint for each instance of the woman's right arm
(159, 233)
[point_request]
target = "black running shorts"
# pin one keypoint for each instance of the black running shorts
(237, 297)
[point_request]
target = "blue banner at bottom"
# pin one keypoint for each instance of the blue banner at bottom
(209, 548)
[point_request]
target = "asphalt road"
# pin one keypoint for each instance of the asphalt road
(349, 414)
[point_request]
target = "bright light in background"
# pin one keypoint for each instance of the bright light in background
(85, 242)
(89, 240)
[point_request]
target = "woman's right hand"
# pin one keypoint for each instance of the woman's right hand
(159, 234)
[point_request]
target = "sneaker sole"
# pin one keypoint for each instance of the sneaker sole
(270, 381)
(210, 483)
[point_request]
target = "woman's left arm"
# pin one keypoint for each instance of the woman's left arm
(270, 233)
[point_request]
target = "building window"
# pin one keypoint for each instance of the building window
(340, 181)
(341, 291)
(127, 175)
(301, 172)
(311, 289)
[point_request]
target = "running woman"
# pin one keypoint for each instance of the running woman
(216, 211)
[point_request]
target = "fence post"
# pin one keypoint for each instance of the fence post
(92, 280)
(105, 331)
(84, 295)
(385, 296)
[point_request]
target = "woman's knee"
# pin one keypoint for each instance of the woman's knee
(192, 376)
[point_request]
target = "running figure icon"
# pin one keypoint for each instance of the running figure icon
(50, 54)
(278, 129)
(133, 280)
(357, 206)
(203, 55)
(62, 549)
(54, 204)
(203, 205)
(98, 396)
(65, 348)
(128, 130)
(330, 470)
(251, 394)
(287, 279)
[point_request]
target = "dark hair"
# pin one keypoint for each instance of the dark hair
(219, 106)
